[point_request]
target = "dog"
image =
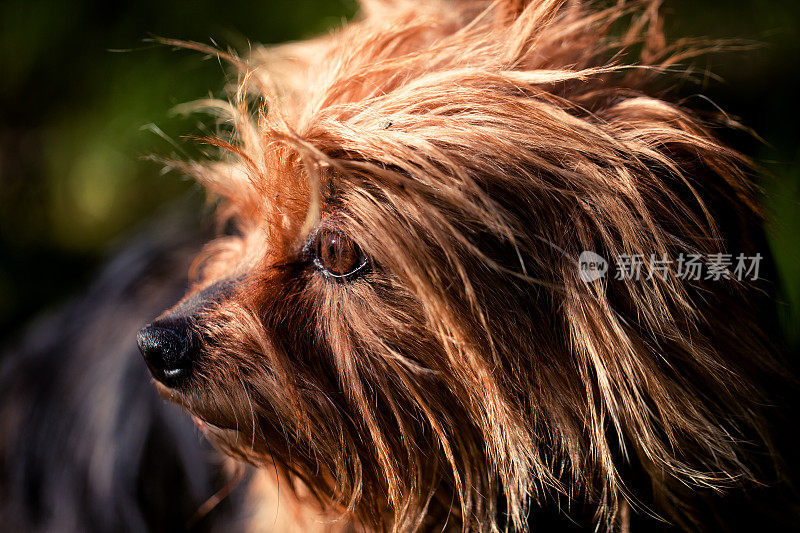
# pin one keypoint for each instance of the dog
(396, 327)
(399, 329)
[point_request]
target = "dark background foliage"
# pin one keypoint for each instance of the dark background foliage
(84, 95)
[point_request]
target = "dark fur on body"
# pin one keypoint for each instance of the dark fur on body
(85, 442)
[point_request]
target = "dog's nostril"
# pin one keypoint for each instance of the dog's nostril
(167, 350)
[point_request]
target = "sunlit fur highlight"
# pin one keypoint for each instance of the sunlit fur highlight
(473, 151)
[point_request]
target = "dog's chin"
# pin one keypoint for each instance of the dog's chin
(168, 393)
(207, 424)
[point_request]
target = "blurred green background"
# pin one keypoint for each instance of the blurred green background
(80, 87)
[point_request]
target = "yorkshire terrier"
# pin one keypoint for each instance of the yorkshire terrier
(397, 327)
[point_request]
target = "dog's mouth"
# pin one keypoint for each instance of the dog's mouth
(199, 422)
(213, 431)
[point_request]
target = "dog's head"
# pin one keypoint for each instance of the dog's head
(399, 318)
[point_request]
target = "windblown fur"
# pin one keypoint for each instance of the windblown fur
(473, 151)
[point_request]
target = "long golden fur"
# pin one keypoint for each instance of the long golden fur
(473, 150)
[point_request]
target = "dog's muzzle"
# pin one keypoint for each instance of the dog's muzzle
(171, 345)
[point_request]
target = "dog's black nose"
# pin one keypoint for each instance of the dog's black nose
(168, 349)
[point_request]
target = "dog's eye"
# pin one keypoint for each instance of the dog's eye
(337, 256)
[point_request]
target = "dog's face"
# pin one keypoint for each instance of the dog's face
(398, 318)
